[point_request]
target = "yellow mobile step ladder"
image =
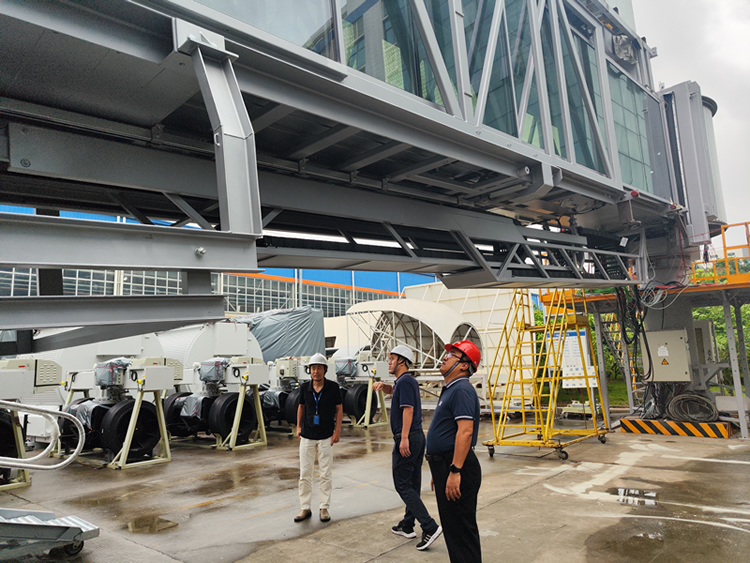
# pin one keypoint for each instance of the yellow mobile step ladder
(534, 360)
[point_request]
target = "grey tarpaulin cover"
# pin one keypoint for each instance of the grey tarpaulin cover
(288, 332)
(105, 373)
(213, 369)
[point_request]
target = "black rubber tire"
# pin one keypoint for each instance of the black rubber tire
(355, 402)
(291, 406)
(603, 439)
(74, 548)
(68, 434)
(115, 426)
(176, 425)
(562, 454)
(491, 450)
(221, 416)
(7, 444)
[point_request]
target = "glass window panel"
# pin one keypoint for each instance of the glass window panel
(500, 110)
(553, 85)
(520, 41)
(634, 145)
(627, 175)
(393, 49)
(477, 28)
(532, 124)
(441, 23)
(584, 135)
(308, 24)
(631, 121)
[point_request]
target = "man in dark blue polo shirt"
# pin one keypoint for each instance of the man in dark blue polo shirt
(456, 473)
(408, 448)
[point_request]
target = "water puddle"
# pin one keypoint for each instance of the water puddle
(149, 524)
(635, 497)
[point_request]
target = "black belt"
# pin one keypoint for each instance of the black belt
(444, 456)
(397, 435)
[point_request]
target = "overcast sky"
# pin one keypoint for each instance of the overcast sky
(708, 42)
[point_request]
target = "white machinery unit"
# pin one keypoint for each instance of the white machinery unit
(24, 377)
(195, 343)
(128, 428)
(220, 407)
(670, 355)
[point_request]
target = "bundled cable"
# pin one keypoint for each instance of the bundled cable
(631, 314)
(692, 407)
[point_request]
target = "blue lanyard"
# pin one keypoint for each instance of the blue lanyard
(317, 397)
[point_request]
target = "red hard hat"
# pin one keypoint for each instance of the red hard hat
(469, 349)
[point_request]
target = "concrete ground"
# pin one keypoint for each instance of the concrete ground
(635, 498)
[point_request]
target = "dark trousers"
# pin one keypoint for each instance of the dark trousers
(459, 517)
(407, 479)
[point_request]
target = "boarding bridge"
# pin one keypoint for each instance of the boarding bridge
(494, 143)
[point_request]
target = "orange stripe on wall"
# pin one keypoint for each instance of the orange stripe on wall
(311, 282)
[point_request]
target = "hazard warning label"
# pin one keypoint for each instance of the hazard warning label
(664, 362)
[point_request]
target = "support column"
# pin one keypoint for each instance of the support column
(603, 383)
(741, 345)
(735, 367)
(628, 374)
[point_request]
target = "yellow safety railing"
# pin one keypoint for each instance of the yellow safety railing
(727, 268)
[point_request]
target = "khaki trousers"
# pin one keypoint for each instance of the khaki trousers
(308, 451)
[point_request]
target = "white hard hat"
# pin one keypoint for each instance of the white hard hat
(405, 352)
(318, 359)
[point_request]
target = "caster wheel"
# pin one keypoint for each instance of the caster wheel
(562, 454)
(491, 450)
(603, 439)
(73, 548)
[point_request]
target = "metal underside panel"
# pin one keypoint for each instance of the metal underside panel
(168, 112)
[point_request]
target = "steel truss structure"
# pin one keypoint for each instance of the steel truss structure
(489, 116)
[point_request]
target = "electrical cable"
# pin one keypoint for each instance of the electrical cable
(692, 407)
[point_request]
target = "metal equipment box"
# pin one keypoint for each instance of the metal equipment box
(670, 355)
(16, 379)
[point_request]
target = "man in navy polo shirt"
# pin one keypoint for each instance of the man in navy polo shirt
(456, 473)
(408, 448)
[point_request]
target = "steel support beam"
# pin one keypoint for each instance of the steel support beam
(489, 58)
(31, 241)
(322, 141)
(736, 378)
(380, 153)
(18, 313)
(270, 115)
(87, 335)
(234, 142)
(458, 36)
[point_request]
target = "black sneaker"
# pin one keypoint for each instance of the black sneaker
(405, 531)
(429, 539)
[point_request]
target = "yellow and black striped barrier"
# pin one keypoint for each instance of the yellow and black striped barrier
(675, 428)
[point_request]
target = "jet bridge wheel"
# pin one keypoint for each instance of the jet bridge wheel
(221, 416)
(176, 425)
(291, 406)
(115, 426)
(355, 402)
(7, 444)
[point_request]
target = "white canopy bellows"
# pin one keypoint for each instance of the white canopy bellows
(423, 326)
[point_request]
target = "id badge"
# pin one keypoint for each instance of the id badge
(316, 420)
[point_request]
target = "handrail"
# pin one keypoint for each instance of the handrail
(52, 416)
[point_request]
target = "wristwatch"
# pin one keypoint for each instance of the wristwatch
(455, 469)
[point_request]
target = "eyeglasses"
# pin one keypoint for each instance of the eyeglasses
(459, 357)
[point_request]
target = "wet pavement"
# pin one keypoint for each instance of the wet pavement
(635, 498)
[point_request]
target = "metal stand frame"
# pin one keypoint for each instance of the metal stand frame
(364, 421)
(120, 461)
(230, 442)
(531, 364)
(23, 479)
